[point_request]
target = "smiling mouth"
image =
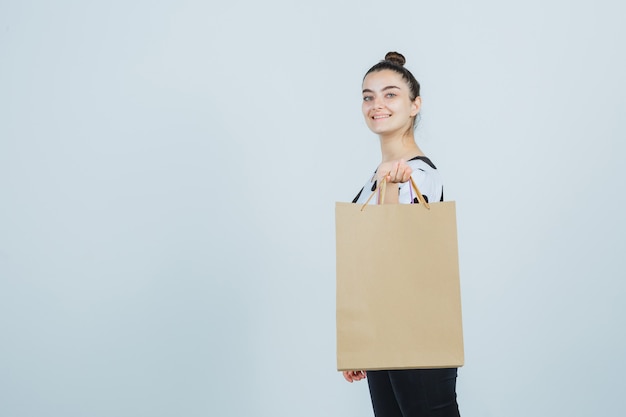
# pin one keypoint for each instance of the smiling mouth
(381, 116)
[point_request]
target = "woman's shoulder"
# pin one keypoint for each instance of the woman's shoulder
(422, 162)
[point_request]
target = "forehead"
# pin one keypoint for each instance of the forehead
(380, 79)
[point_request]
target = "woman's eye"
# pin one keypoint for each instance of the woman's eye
(391, 95)
(367, 98)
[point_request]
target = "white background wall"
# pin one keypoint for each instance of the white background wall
(168, 173)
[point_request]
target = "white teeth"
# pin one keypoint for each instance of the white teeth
(381, 117)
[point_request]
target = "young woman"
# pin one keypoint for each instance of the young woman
(391, 105)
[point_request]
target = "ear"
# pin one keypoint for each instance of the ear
(416, 106)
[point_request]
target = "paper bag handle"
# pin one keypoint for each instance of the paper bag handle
(383, 188)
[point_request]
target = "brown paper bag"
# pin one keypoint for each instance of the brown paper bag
(398, 292)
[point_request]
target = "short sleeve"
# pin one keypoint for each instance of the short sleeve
(427, 179)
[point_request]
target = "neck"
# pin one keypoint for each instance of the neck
(396, 147)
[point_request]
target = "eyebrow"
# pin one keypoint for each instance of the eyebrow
(367, 90)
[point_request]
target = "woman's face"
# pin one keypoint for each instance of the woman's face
(387, 106)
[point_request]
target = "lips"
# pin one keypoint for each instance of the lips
(381, 116)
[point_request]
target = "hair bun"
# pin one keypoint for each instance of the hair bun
(396, 58)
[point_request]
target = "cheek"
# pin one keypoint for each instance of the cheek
(365, 108)
(399, 108)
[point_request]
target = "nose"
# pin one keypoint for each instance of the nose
(378, 103)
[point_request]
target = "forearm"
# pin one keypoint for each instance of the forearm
(391, 193)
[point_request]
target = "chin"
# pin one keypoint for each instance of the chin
(376, 129)
(379, 130)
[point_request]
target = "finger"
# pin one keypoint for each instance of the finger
(402, 166)
(397, 170)
(407, 174)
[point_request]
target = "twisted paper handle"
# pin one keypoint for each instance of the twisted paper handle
(382, 188)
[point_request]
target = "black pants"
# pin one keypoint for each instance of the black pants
(414, 393)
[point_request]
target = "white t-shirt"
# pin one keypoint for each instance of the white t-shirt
(424, 174)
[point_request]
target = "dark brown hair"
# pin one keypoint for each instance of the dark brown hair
(395, 61)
